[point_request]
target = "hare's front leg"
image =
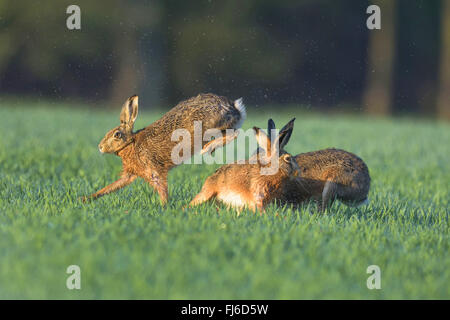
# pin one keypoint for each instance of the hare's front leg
(124, 180)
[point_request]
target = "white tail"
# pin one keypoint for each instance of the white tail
(356, 204)
(239, 105)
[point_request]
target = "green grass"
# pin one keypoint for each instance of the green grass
(128, 246)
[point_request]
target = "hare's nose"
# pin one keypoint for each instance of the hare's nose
(100, 149)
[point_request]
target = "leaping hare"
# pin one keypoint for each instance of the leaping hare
(327, 174)
(147, 153)
(243, 185)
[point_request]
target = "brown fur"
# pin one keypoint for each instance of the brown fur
(327, 175)
(147, 152)
(241, 185)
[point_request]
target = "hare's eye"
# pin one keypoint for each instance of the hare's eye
(117, 134)
(287, 158)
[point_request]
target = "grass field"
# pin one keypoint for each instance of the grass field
(128, 246)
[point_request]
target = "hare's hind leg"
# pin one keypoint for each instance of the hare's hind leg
(201, 197)
(208, 191)
(159, 183)
(219, 142)
(352, 196)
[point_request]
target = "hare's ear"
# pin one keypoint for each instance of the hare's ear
(281, 140)
(285, 133)
(270, 126)
(129, 112)
(263, 141)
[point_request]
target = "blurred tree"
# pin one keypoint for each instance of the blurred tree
(309, 52)
(443, 103)
(40, 56)
(220, 46)
(377, 98)
(293, 51)
(417, 56)
(135, 20)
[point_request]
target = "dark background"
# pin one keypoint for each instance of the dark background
(311, 53)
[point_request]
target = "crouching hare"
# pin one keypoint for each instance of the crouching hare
(244, 185)
(326, 175)
(147, 153)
